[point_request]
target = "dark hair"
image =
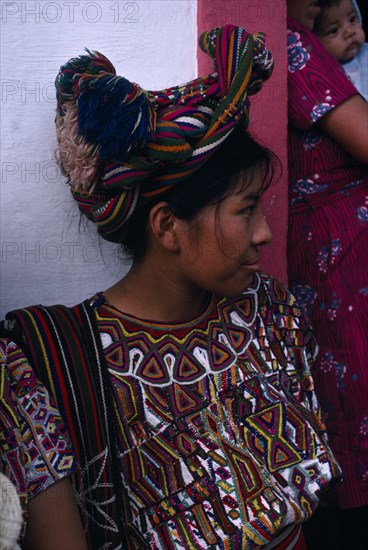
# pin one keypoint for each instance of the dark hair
(324, 5)
(328, 3)
(209, 185)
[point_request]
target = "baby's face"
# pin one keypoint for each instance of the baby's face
(339, 30)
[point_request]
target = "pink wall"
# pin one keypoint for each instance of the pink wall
(269, 112)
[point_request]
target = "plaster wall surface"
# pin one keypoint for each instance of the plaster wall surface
(47, 255)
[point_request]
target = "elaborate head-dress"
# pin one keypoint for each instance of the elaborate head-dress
(118, 142)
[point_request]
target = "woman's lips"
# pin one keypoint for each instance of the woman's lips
(253, 263)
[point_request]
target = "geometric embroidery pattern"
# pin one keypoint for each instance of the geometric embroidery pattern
(213, 437)
(210, 439)
(265, 436)
(34, 446)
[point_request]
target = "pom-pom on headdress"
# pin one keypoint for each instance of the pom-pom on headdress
(117, 141)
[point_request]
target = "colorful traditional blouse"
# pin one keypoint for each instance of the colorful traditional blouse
(217, 433)
(327, 254)
(35, 449)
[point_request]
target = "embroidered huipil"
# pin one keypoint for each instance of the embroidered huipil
(35, 449)
(216, 440)
(219, 442)
(327, 255)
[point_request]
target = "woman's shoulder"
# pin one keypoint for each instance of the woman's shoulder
(270, 290)
(21, 389)
(298, 33)
(269, 293)
(302, 44)
(11, 355)
(272, 314)
(35, 448)
(293, 24)
(305, 48)
(279, 309)
(317, 83)
(40, 321)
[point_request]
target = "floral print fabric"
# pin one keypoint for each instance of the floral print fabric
(327, 254)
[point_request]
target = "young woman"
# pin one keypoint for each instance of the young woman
(185, 388)
(327, 258)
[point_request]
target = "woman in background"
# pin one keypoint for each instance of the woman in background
(327, 259)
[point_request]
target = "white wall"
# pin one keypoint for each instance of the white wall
(45, 256)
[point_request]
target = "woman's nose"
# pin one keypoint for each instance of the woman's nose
(262, 232)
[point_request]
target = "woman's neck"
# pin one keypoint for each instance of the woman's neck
(152, 292)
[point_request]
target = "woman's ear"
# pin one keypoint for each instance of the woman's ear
(164, 225)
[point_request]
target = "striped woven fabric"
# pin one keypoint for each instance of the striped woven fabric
(64, 348)
(117, 141)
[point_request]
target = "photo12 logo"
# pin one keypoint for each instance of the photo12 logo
(70, 11)
(27, 92)
(34, 172)
(35, 252)
(249, 11)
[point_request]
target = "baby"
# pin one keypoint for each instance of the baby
(339, 28)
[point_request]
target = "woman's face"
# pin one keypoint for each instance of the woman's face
(304, 11)
(221, 255)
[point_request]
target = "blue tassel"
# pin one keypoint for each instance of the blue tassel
(107, 118)
(66, 82)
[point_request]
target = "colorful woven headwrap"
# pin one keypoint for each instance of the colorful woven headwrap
(117, 142)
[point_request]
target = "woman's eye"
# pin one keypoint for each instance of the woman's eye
(248, 211)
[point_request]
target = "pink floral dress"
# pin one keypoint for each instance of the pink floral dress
(328, 254)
